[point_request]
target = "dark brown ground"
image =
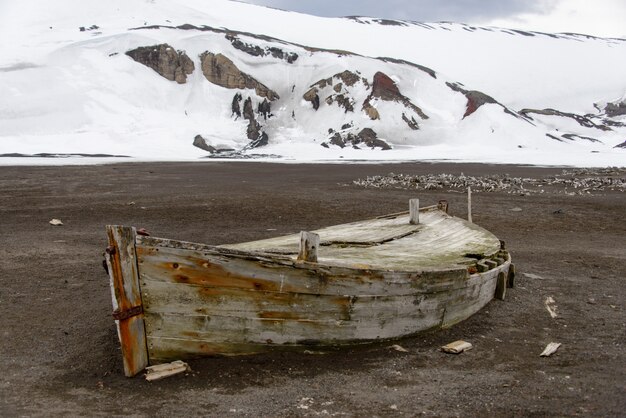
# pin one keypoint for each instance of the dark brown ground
(59, 354)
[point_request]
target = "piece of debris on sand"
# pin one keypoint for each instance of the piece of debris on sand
(55, 222)
(399, 348)
(161, 371)
(550, 349)
(457, 347)
(551, 306)
(533, 276)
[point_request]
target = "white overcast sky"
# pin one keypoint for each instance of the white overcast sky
(593, 17)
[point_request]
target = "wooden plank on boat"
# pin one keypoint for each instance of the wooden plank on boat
(340, 321)
(501, 285)
(309, 243)
(187, 299)
(223, 330)
(511, 276)
(126, 293)
(158, 261)
(462, 303)
(414, 211)
(469, 205)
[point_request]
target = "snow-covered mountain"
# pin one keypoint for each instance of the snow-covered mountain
(183, 79)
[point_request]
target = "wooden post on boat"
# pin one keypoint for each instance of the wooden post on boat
(121, 259)
(414, 211)
(309, 242)
(469, 204)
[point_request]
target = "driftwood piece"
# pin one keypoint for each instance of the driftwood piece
(121, 259)
(456, 347)
(550, 349)
(309, 243)
(161, 371)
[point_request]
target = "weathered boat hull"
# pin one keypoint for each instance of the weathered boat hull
(198, 300)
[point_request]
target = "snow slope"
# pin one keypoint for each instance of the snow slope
(66, 91)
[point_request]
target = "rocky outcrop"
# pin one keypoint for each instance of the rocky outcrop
(220, 70)
(412, 123)
(345, 78)
(166, 61)
(369, 137)
(622, 145)
(254, 130)
(384, 88)
(342, 101)
(337, 140)
(615, 109)
(257, 51)
(370, 110)
(235, 107)
(201, 143)
(262, 141)
(475, 99)
(349, 78)
(366, 136)
(581, 120)
(248, 111)
(312, 97)
(265, 109)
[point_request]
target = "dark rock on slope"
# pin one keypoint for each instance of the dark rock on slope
(220, 70)
(615, 109)
(366, 136)
(235, 106)
(257, 51)
(475, 99)
(581, 120)
(384, 88)
(165, 60)
(412, 123)
(201, 143)
(622, 145)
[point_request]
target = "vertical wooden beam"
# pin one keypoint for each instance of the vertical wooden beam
(501, 285)
(309, 242)
(469, 204)
(414, 211)
(126, 294)
(511, 276)
(443, 206)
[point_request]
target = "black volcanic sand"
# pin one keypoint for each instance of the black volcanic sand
(59, 353)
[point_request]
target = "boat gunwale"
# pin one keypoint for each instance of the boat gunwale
(287, 259)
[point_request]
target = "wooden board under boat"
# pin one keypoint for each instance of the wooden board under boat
(373, 280)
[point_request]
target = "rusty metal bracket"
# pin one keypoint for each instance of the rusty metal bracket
(128, 313)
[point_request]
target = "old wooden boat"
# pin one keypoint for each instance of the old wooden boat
(361, 282)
